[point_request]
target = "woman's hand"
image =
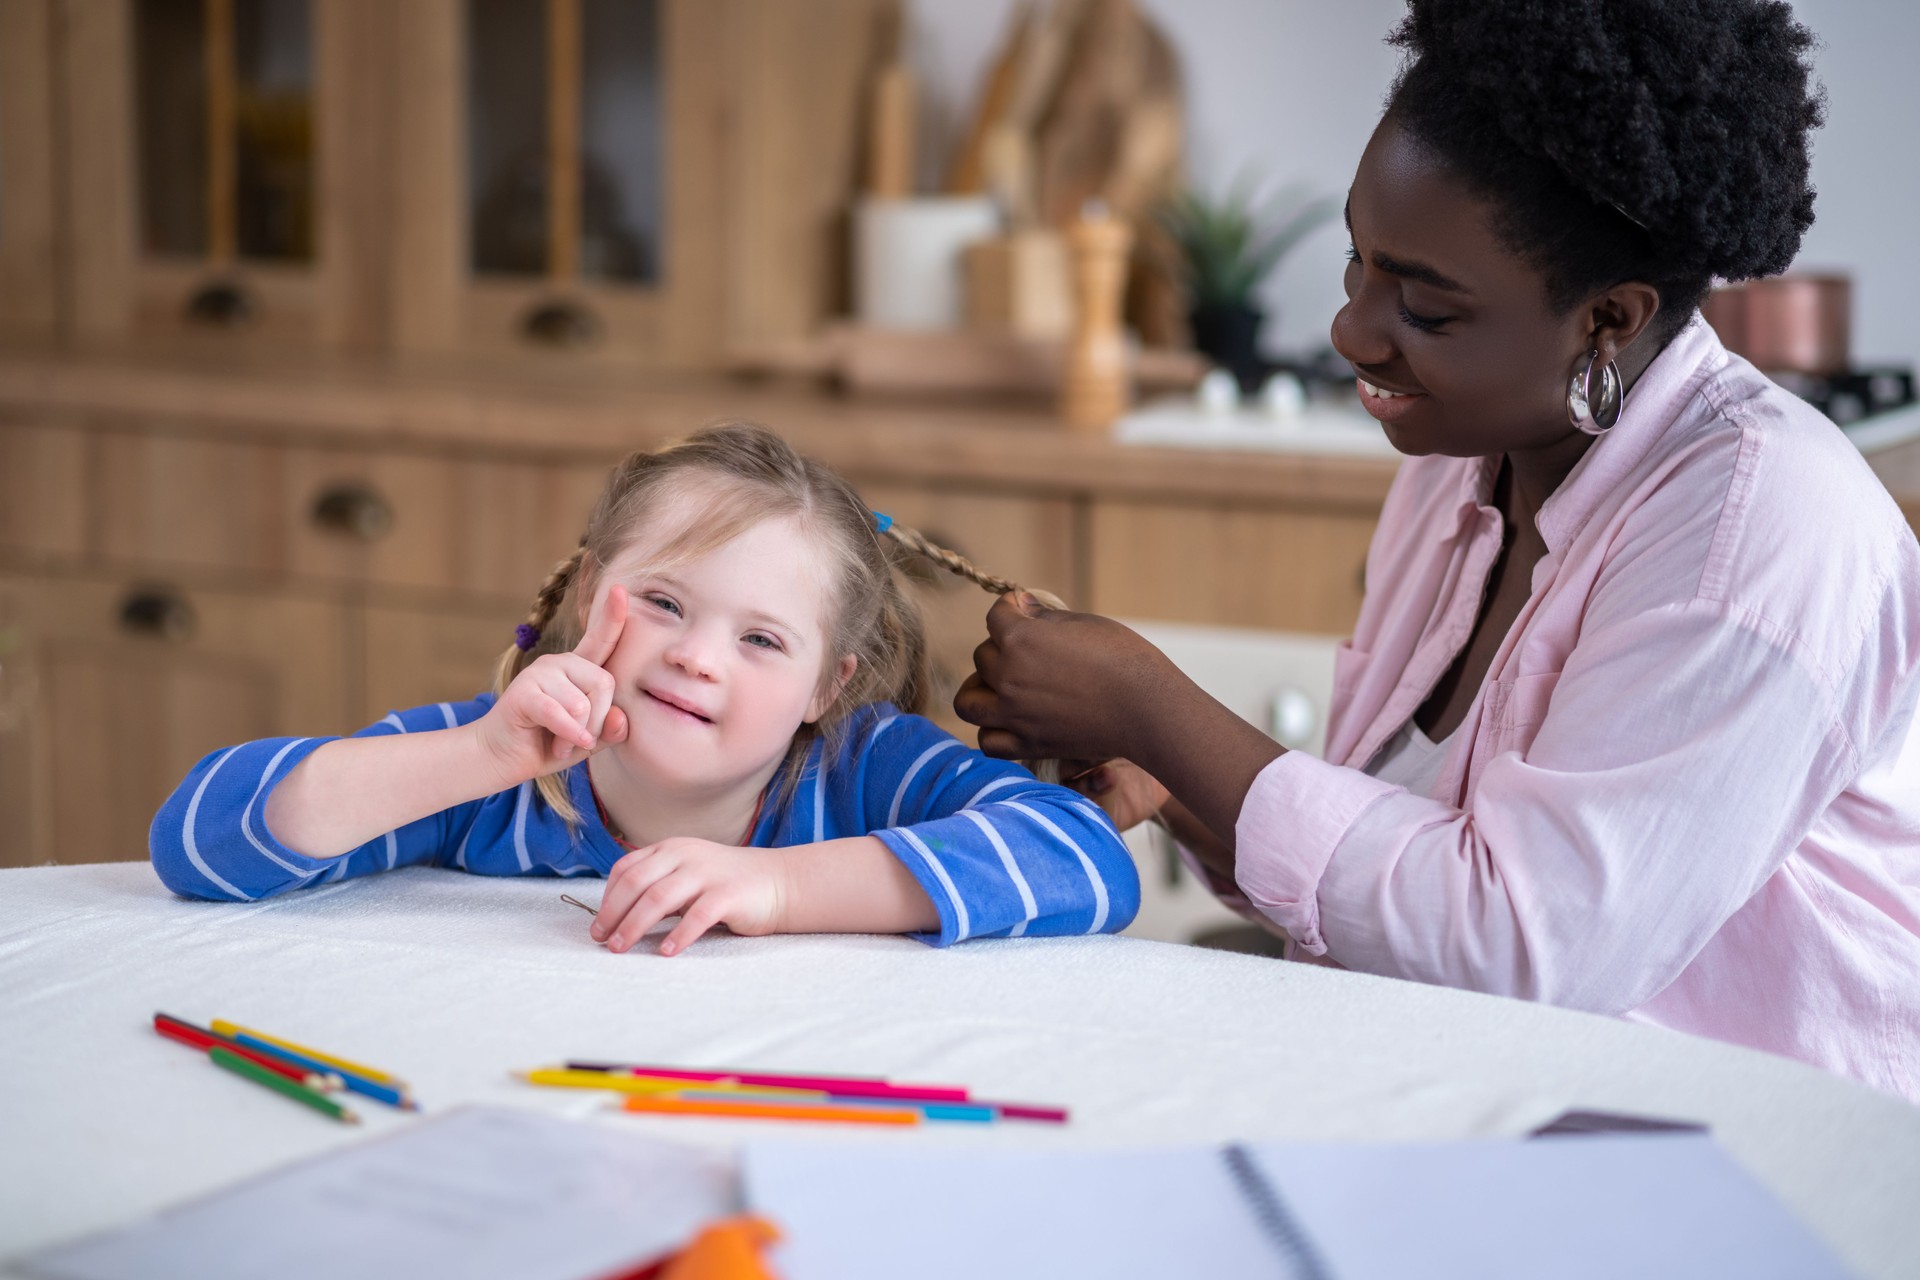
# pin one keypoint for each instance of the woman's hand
(1128, 793)
(559, 709)
(703, 883)
(1050, 684)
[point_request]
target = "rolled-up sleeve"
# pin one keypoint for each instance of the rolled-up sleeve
(1682, 755)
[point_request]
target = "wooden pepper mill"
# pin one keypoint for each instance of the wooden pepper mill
(1095, 388)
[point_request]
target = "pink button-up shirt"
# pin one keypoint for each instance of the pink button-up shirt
(1688, 792)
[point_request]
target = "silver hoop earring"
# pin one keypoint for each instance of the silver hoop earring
(1594, 417)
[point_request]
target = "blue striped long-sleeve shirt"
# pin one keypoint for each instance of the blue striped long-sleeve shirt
(999, 853)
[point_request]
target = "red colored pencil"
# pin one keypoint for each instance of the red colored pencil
(200, 1038)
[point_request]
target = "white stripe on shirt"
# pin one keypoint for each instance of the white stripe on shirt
(1086, 863)
(186, 831)
(246, 816)
(893, 814)
(520, 826)
(393, 718)
(1027, 903)
(961, 926)
(995, 785)
(446, 711)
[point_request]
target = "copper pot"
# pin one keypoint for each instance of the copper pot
(1795, 323)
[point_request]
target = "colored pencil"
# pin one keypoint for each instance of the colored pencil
(253, 1071)
(567, 1079)
(669, 1104)
(186, 1033)
(234, 1031)
(849, 1086)
(357, 1084)
(1029, 1111)
(959, 1112)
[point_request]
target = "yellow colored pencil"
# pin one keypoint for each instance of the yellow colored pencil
(669, 1105)
(225, 1028)
(560, 1078)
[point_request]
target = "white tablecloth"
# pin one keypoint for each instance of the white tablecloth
(453, 980)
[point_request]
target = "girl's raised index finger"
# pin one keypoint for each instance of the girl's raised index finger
(605, 621)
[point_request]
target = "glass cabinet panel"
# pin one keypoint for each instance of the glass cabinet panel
(224, 92)
(565, 139)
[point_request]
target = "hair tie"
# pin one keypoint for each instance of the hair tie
(525, 636)
(882, 522)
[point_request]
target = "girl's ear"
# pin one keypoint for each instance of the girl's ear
(830, 689)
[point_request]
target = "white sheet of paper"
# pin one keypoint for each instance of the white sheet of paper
(484, 1193)
(1643, 1205)
(851, 1212)
(1599, 1206)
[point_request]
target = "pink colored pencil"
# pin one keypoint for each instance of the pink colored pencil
(846, 1086)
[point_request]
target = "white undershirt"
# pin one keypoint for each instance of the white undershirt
(1410, 759)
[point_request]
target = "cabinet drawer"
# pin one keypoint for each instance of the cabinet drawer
(43, 488)
(1027, 540)
(189, 502)
(130, 684)
(417, 656)
(452, 526)
(1228, 566)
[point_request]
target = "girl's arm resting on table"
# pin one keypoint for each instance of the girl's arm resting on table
(213, 837)
(390, 780)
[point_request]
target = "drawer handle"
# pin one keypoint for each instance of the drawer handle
(561, 323)
(223, 304)
(355, 510)
(158, 613)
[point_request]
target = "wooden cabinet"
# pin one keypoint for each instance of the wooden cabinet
(132, 681)
(643, 182)
(1273, 568)
(417, 656)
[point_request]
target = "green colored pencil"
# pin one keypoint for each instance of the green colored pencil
(280, 1084)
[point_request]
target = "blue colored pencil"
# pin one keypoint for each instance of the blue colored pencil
(356, 1083)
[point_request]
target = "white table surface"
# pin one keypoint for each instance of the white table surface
(452, 981)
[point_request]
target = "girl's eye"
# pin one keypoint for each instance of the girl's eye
(1426, 324)
(761, 640)
(665, 603)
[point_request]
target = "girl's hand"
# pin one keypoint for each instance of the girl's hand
(703, 883)
(559, 709)
(1128, 793)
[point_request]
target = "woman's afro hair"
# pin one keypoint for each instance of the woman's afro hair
(1655, 140)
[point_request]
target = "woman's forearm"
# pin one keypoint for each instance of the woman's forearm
(854, 885)
(1205, 756)
(349, 791)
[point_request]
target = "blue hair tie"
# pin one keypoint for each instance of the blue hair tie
(882, 522)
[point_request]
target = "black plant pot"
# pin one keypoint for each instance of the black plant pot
(1229, 335)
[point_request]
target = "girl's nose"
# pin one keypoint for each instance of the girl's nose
(693, 651)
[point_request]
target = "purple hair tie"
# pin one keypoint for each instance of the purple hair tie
(525, 636)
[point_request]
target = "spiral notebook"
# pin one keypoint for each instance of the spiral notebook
(1642, 1205)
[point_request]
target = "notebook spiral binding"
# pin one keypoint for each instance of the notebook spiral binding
(1276, 1221)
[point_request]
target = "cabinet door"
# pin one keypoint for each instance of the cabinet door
(131, 684)
(1027, 540)
(43, 489)
(27, 195)
(1268, 568)
(417, 656)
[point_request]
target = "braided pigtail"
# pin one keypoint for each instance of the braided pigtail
(916, 543)
(953, 562)
(530, 639)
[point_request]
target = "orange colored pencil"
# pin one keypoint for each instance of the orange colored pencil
(667, 1104)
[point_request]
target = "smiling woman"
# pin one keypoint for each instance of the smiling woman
(1627, 721)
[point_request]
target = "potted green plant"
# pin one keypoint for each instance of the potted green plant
(1225, 248)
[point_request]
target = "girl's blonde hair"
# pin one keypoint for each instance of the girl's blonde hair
(730, 477)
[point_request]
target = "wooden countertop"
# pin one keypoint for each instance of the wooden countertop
(588, 413)
(592, 413)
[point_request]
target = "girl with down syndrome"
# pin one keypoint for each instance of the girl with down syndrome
(713, 703)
